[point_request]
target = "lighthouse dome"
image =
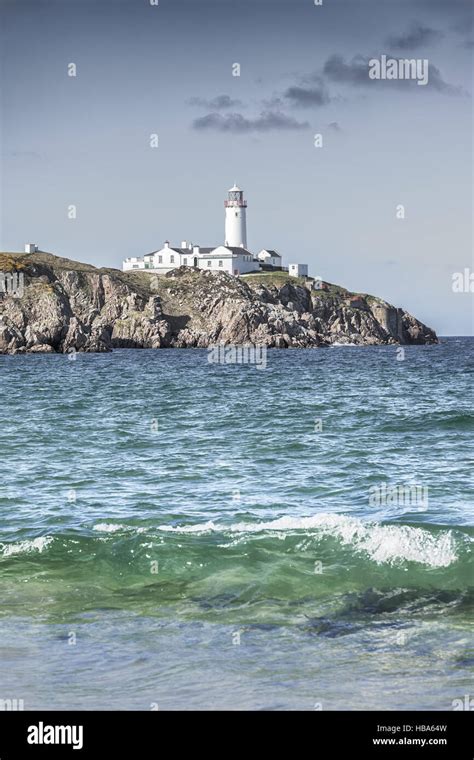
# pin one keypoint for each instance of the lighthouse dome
(234, 189)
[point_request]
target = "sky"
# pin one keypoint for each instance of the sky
(168, 69)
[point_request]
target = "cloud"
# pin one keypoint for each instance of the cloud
(234, 122)
(218, 103)
(416, 37)
(275, 102)
(334, 126)
(356, 73)
(307, 97)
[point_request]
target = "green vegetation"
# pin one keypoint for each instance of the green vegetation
(272, 278)
(11, 262)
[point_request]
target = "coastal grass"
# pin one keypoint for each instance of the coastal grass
(272, 278)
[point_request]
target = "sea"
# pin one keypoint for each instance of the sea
(180, 534)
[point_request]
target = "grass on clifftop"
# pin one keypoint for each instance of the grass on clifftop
(11, 262)
(272, 278)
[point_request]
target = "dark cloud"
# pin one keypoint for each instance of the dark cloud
(334, 126)
(220, 102)
(457, 15)
(307, 97)
(356, 73)
(234, 122)
(275, 102)
(416, 37)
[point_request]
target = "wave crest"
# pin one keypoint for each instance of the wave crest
(26, 547)
(382, 543)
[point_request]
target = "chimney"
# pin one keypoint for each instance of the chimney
(184, 244)
(167, 243)
(196, 250)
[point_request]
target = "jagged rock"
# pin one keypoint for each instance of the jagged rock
(68, 306)
(41, 348)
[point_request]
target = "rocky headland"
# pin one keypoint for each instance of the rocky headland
(68, 306)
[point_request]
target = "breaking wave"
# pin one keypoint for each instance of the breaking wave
(382, 543)
(26, 547)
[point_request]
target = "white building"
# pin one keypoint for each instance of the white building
(270, 257)
(298, 270)
(31, 247)
(233, 257)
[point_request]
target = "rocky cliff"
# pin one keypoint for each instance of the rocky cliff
(67, 306)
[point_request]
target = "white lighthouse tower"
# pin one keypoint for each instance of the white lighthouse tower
(236, 218)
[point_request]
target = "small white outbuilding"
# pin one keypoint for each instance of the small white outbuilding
(31, 247)
(298, 270)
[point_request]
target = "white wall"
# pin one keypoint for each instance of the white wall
(166, 259)
(227, 263)
(298, 270)
(236, 226)
(134, 262)
(236, 263)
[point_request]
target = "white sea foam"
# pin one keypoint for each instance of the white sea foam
(115, 527)
(25, 547)
(108, 527)
(382, 543)
(207, 527)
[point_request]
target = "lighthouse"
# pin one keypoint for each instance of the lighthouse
(236, 219)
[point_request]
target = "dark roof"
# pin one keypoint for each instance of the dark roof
(170, 248)
(274, 254)
(238, 250)
(205, 250)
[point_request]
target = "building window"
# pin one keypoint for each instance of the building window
(160, 259)
(209, 263)
(135, 266)
(171, 259)
(185, 262)
(221, 263)
(236, 213)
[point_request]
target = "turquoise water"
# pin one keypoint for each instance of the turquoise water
(186, 535)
